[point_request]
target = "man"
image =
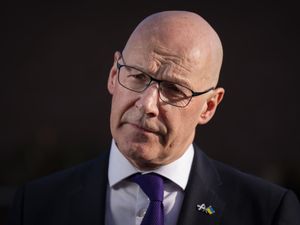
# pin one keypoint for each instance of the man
(163, 84)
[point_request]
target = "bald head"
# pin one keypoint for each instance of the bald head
(180, 33)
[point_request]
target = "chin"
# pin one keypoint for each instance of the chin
(141, 153)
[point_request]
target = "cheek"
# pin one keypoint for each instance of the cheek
(122, 101)
(174, 120)
(119, 104)
(182, 123)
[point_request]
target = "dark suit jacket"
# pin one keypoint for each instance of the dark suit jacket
(77, 197)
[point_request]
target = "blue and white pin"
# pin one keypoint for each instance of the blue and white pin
(208, 210)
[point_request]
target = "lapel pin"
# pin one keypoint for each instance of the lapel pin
(208, 210)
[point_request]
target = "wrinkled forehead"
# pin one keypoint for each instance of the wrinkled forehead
(167, 61)
(178, 45)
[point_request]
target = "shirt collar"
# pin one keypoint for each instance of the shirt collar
(178, 171)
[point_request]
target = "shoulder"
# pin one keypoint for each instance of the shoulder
(69, 179)
(254, 196)
(249, 196)
(63, 176)
(234, 179)
(49, 197)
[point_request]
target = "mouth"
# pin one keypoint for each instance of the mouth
(144, 129)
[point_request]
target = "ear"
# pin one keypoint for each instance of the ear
(211, 105)
(112, 78)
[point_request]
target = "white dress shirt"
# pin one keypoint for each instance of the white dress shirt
(127, 203)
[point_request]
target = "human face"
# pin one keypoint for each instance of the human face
(147, 131)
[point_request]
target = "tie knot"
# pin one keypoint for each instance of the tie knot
(152, 184)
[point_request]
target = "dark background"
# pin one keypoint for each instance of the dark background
(55, 107)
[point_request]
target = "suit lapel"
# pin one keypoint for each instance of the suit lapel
(87, 201)
(203, 187)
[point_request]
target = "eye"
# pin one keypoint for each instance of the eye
(171, 87)
(174, 90)
(139, 77)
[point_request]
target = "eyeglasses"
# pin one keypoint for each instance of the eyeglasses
(171, 93)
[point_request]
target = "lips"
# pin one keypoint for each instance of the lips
(145, 128)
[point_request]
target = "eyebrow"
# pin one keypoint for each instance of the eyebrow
(175, 79)
(182, 82)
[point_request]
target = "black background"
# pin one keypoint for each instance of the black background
(55, 107)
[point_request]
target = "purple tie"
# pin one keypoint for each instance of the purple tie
(153, 186)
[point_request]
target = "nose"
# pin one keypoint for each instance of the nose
(148, 101)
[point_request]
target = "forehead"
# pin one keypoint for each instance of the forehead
(164, 64)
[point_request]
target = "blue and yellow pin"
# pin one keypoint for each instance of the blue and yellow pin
(208, 210)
